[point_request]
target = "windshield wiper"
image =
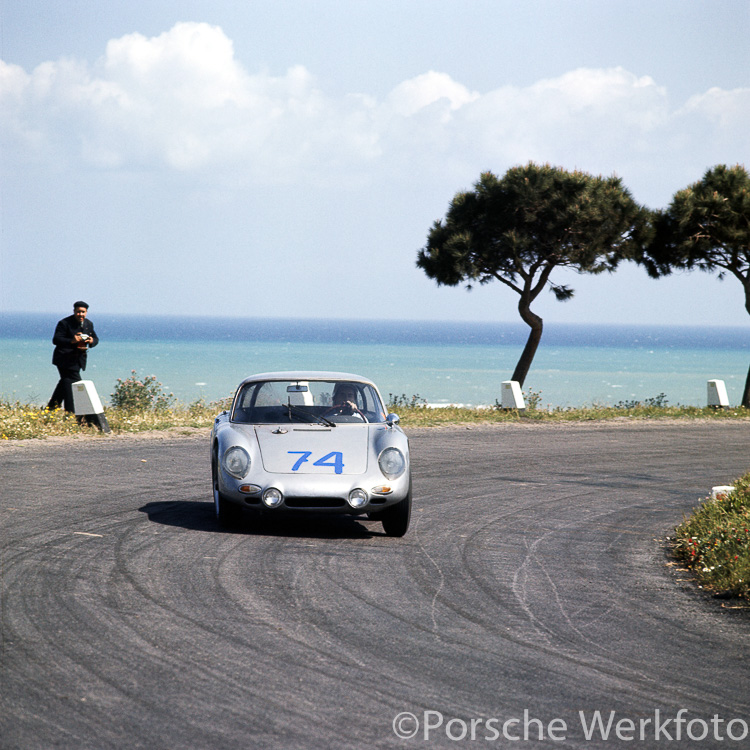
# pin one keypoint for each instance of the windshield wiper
(300, 413)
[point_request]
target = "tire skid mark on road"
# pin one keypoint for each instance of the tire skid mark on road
(459, 537)
(554, 641)
(321, 640)
(75, 561)
(277, 607)
(522, 576)
(441, 581)
(580, 648)
(185, 610)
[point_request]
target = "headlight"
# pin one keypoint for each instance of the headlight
(236, 462)
(392, 463)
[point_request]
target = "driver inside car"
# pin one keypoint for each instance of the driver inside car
(345, 397)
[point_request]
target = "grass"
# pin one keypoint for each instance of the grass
(714, 542)
(414, 412)
(19, 421)
(24, 421)
(422, 416)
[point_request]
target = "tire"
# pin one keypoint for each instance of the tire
(396, 519)
(227, 513)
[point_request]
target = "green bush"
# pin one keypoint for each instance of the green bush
(715, 541)
(140, 395)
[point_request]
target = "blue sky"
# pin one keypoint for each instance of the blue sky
(288, 158)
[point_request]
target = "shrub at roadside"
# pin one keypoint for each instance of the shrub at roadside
(140, 395)
(404, 402)
(715, 541)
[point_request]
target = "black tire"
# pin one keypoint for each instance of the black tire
(396, 519)
(227, 513)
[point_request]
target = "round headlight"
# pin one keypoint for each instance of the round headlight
(392, 463)
(272, 497)
(358, 498)
(236, 461)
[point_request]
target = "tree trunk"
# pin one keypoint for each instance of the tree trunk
(535, 336)
(746, 394)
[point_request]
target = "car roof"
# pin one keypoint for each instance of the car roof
(307, 375)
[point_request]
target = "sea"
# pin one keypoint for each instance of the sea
(439, 363)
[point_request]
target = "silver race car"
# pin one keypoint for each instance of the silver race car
(316, 442)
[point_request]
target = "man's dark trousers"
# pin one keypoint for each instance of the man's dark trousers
(63, 393)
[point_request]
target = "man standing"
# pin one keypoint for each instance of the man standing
(74, 336)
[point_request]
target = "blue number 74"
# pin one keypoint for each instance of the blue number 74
(334, 459)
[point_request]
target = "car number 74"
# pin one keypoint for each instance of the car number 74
(334, 459)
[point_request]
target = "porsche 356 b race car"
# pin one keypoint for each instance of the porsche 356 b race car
(311, 442)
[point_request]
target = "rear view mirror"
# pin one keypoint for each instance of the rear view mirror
(296, 388)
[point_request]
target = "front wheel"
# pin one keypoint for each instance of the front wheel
(228, 514)
(396, 519)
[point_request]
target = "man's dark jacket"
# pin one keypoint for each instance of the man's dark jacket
(66, 353)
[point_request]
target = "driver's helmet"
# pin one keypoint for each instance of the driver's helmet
(344, 392)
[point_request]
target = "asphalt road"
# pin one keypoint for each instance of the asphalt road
(531, 592)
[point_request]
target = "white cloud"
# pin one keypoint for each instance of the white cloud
(193, 63)
(413, 95)
(583, 115)
(726, 113)
(182, 100)
(13, 81)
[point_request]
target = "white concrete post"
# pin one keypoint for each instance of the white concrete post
(717, 393)
(722, 489)
(86, 403)
(512, 398)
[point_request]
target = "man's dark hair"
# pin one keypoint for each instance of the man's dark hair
(80, 304)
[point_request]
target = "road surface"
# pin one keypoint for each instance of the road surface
(531, 595)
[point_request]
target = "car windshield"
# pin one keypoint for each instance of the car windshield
(330, 402)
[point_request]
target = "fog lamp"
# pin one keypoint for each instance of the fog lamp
(272, 497)
(358, 498)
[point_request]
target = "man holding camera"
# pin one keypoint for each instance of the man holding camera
(74, 336)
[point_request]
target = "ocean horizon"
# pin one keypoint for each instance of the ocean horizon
(439, 361)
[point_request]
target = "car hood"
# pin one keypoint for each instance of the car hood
(313, 449)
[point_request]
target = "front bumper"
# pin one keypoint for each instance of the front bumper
(315, 493)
